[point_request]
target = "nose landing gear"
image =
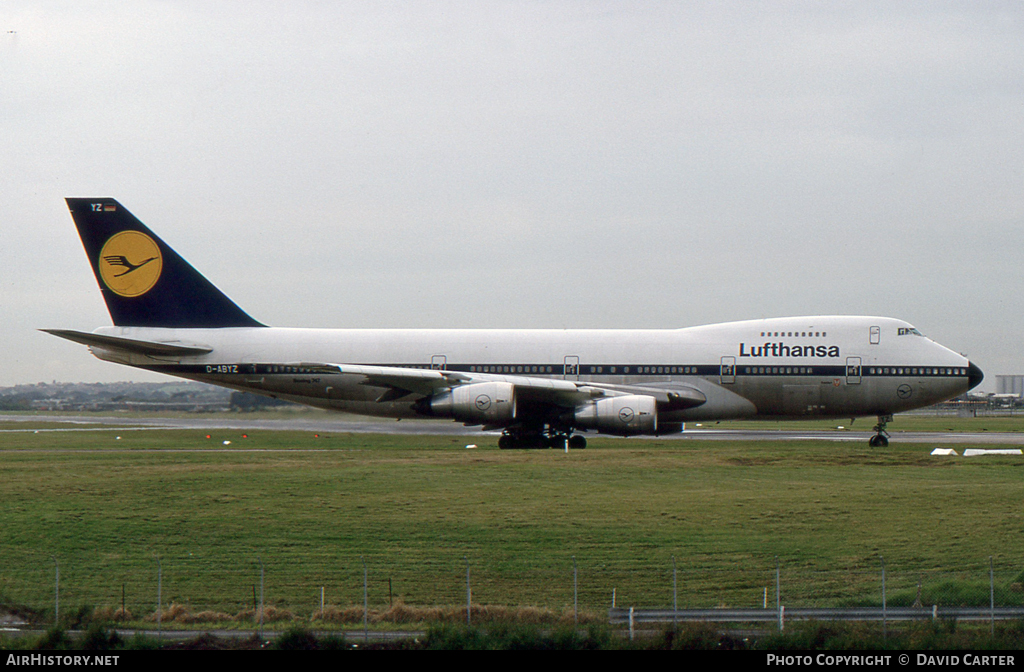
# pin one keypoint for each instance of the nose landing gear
(881, 437)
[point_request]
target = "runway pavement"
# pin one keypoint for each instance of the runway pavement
(351, 424)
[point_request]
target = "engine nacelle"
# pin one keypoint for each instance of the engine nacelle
(480, 403)
(625, 416)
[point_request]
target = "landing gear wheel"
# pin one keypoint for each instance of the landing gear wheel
(577, 442)
(518, 440)
(881, 437)
(510, 441)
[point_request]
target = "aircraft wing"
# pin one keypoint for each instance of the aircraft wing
(131, 345)
(402, 382)
(670, 396)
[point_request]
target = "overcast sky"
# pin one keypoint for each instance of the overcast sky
(522, 164)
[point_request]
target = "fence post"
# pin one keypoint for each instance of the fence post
(778, 591)
(469, 596)
(261, 595)
(366, 629)
(56, 592)
(675, 593)
(159, 596)
(991, 598)
(885, 623)
(575, 594)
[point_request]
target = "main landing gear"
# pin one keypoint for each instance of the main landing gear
(881, 437)
(540, 439)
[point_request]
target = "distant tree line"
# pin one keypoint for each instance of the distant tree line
(246, 401)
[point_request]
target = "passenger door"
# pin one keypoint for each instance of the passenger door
(728, 370)
(853, 370)
(572, 367)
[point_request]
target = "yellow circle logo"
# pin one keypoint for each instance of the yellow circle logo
(130, 263)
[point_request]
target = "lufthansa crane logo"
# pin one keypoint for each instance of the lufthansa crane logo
(130, 263)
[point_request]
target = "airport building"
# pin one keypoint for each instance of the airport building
(1010, 385)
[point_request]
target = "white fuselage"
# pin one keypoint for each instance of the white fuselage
(822, 366)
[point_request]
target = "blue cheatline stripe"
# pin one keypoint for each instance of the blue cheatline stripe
(585, 370)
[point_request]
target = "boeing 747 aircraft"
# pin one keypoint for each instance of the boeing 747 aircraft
(542, 387)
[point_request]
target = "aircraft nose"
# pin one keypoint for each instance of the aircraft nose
(974, 375)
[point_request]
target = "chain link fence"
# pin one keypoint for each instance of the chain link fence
(336, 588)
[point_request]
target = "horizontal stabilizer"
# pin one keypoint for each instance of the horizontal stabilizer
(134, 346)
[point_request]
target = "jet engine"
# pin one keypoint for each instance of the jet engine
(626, 415)
(479, 403)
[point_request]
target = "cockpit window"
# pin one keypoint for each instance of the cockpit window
(909, 331)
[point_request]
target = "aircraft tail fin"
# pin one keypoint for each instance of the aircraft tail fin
(144, 282)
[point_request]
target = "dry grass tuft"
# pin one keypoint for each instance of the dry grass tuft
(110, 614)
(179, 613)
(332, 614)
(272, 614)
(403, 613)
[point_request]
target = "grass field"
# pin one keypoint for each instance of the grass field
(418, 510)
